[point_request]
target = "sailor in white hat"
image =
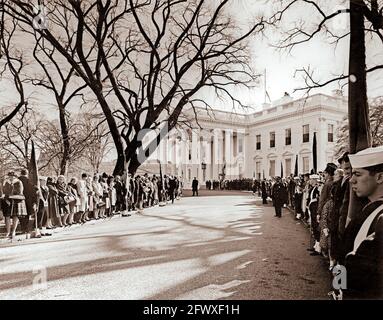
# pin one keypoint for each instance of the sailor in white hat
(363, 240)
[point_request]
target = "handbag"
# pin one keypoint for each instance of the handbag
(69, 199)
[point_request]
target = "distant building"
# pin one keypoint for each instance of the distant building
(232, 145)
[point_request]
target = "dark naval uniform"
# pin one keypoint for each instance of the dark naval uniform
(264, 192)
(279, 197)
(363, 241)
(313, 199)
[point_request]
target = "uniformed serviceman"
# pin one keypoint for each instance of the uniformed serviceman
(313, 207)
(363, 238)
(264, 191)
(279, 192)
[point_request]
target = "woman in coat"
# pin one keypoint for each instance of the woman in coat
(74, 205)
(90, 193)
(42, 211)
(53, 212)
(13, 203)
(112, 195)
(105, 195)
(99, 205)
(63, 193)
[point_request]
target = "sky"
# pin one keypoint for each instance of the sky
(280, 66)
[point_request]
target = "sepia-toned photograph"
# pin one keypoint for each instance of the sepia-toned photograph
(210, 151)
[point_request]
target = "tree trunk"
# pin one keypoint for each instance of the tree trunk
(131, 156)
(65, 139)
(114, 131)
(358, 113)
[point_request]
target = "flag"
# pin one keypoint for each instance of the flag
(162, 181)
(315, 160)
(281, 169)
(35, 182)
(33, 170)
(263, 174)
(296, 172)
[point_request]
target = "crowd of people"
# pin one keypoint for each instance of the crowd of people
(243, 184)
(322, 201)
(58, 203)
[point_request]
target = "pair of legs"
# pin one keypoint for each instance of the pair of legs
(24, 224)
(8, 227)
(42, 217)
(195, 192)
(278, 211)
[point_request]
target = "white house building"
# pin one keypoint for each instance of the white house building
(232, 145)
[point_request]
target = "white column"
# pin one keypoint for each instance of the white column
(229, 152)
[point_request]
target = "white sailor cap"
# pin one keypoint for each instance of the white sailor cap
(314, 176)
(367, 157)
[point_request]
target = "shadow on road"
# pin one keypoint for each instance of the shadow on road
(262, 270)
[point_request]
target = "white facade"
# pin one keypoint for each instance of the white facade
(226, 144)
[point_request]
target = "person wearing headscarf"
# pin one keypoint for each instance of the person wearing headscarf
(97, 198)
(13, 203)
(91, 194)
(82, 193)
(74, 205)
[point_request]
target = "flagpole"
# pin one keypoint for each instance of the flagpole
(34, 178)
(265, 85)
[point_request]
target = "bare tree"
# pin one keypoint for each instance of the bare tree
(100, 141)
(145, 61)
(13, 63)
(17, 134)
(57, 77)
(81, 136)
(361, 13)
(376, 125)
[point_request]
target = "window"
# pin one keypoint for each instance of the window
(258, 169)
(306, 164)
(272, 139)
(306, 133)
(240, 145)
(288, 167)
(258, 140)
(288, 137)
(330, 133)
(272, 168)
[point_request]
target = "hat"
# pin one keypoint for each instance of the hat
(367, 157)
(11, 174)
(314, 176)
(344, 157)
(330, 168)
(43, 178)
(296, 178)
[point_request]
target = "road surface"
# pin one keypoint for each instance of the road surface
(221, 246)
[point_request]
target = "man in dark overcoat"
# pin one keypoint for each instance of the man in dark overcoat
(279, 196)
